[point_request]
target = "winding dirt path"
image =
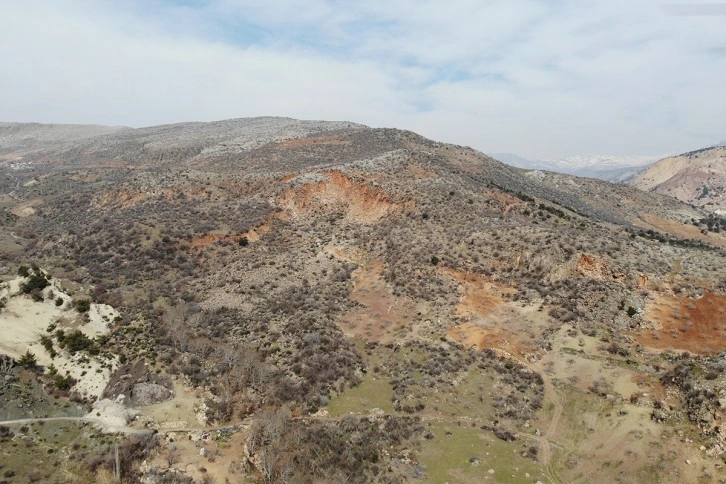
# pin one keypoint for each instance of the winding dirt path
(546, 439)
(99, 421)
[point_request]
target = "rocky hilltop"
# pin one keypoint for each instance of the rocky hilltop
(332, 302)
(698, 178)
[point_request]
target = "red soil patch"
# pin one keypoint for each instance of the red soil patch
(498, 338)
(682, 323)
(252, 235)
(359, 202)
(493, 323)
(204, 240)
(381, 313)
(592, 266)
(125, 198)
(589, 266)
(479, 295)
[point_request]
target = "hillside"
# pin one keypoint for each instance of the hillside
(698, 178)
(332, 302)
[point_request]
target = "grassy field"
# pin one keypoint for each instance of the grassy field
(451, 456)
(49, 452)
(371, 393)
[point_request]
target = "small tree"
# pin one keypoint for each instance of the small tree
(82, 305)
(77, 341)
(36, 282)
(47, 343)
(28, 360)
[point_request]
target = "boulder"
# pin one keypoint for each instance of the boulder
(150, 393)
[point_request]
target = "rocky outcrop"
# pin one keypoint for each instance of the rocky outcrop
(138, 385)
(149, 393)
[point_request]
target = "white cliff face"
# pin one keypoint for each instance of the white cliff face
(24, 321)
(698, 178)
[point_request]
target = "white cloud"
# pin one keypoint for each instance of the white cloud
(540, 78)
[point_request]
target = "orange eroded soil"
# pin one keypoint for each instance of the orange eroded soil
(478, 295)
(252, 235)
(360, 203)
(125, 198)
(491, 322)
(683, 323)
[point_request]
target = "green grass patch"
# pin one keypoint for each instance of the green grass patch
(371, 393)
(447, 457)
(471, 397)
(47, 452)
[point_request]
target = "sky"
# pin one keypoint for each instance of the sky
(541, 78)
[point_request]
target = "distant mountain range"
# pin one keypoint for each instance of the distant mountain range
(614, 168)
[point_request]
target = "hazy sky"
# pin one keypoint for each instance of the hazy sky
(539, 78)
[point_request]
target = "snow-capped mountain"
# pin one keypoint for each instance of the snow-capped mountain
(605, 167)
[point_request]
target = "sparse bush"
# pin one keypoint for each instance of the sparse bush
(63, 382)
(37, 281)
(77, 341)
(82, 305)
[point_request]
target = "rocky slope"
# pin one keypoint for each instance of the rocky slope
(369, 305)
(698, 178)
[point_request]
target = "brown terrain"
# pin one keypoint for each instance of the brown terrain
(694, 324)
(291, 301)
(698, 177)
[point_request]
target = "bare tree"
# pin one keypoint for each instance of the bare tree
(268, 463)
(172, 455)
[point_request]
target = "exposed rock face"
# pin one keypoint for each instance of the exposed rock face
(586, 265)
(138, 385)
(149, 393)
(698, 177)
(114, 414)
